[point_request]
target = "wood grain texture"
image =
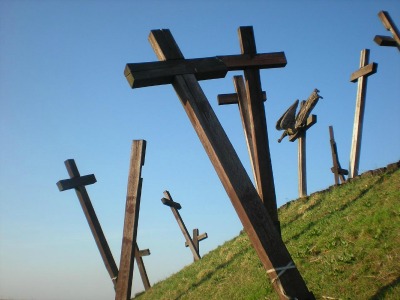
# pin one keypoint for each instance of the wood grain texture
(93, 222)
(124, 282)
(244, 197)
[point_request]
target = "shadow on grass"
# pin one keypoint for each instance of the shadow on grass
(383, 291)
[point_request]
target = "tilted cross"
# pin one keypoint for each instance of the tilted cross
(336, 169)
(254, 216)
(192, 243)
(360, 76)
(388, 23)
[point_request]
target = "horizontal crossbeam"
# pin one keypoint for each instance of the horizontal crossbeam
(312, 119)
(383, 40)
(171, 203)
(73, 183)
(364, 71)
(201, 237)
(224, 99)
(144, 252)
(163, 72)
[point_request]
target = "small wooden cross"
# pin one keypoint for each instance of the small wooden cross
(78, 183)
(192, 243)
(124, 283)
(388, 23)
(256, 220)
(336, 169)
(360, 76)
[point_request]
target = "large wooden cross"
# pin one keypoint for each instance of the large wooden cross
(360, 76)
(388, 23)
(78, 183)
(192, 243)
(266, 240)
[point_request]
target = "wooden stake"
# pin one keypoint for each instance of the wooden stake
(124, 283)
(361, 76)
(336, 169)
(301, 160)
(245, 198)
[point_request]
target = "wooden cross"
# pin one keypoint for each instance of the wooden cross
(78, 183)
(124, 283)
(360, 76)
(388, 23)
(266, 240)
(336, 169)
(192, 243)
(250, 97)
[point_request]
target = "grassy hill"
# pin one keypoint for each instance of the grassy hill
(345, 242)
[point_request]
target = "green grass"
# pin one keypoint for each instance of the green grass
(345, 242)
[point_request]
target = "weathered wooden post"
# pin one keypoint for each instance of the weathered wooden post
(388, 23)
(266, 240)
(124, 282)
(337, 170)
(78, 183)
(296, 127)
(192, 243)
(360, 76)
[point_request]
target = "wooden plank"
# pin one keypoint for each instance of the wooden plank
(390, 26)
(124, 283)
(311, 120)
(170, 203)
(200, 237)
(383, 40)
(73, 183)
(182, 226)
(364, 71)
(358, 117)
(163, 72)
(257, 128)
(93, 222)
(244, 197)
(301, 160)
(141, 267)
(232, 98)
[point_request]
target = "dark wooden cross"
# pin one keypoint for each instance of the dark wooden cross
(388, 23)
(192, 243)
(337, 170)
(360, 76)
(250, 97)
(266, 240)
(124, 283)
(78, 183)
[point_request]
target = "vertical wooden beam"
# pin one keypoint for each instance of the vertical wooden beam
(301, 160)
(92, 220)
(142, 269)
(266, 240)
(359, 113)
(182, 226)
(260, 153)
(124, 283)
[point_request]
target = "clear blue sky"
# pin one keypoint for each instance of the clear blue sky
(63, 95)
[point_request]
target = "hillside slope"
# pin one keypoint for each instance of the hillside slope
(345, 242)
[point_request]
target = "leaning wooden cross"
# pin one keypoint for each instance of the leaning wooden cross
(78, 183)
(257, 222)
(192, 243)
(250, 97)
(360, 76)
(388, 23)
(296, 127)
(337, 170)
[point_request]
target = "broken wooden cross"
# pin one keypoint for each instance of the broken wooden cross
(78, 183)
(388, 23)
(360, 76)
(250, 97)
(296, 127)
(266, 240)
(336, 169)
(124, 283)
(192, 243)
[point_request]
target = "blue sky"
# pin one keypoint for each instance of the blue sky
(63, 95)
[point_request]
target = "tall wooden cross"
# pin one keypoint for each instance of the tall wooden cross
(360, 76)
(337, 170)
(78, 183)
(388, 23)
(266, 240)
(192, 243)
(250, 97)
(134, 190)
